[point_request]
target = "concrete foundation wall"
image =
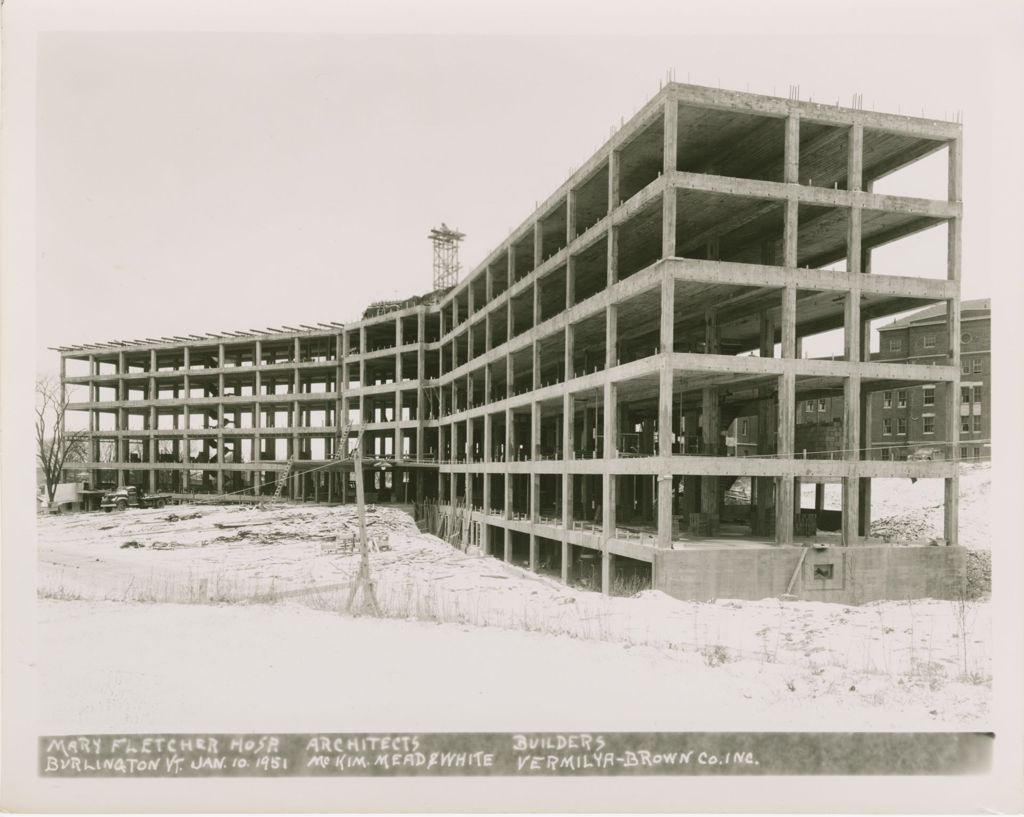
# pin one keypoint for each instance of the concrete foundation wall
(858, 574)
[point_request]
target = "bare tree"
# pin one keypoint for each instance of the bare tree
(55, 444)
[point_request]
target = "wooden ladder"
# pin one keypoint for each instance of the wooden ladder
(283, 480)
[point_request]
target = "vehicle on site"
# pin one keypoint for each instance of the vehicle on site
(131, 496)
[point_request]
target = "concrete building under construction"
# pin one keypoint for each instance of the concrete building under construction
(574, 389)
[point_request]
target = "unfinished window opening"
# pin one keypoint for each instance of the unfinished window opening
(522, 312)
(497, 421)
(636, 416)
(75, 420)
(478, 338)
(410, 329)
(639, 239)
(822, 236)
(136, 364)
(551, 354)
(718, 227)
(588, 424)
(552, 294)
(499, 327)
(638, 327)
(641, 160)
(900, 165)
(498, 274)
(107, 366)
(522, 251)
(204, 357)
(549, 441)
(380, 336)
(549, 556)
(461, 349)
(76, 367)
(168, 362)
(237, 356)
(522, 435)
(520, 484)
(380, 372)
(519, 548)
(824, 155)
(590, 271)
(499, 388)
(318, 350)
(589, 345)
(274, 354)
(730, 143)
(477, 381)
(432, 364)
(460, 307)
(586, 503)
(476, 447)
(553, 231)
(591, 204)
(902, 244)
(522, 371)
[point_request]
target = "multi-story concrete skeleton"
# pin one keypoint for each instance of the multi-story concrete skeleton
(574, 388)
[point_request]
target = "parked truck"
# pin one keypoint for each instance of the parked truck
(131, 496)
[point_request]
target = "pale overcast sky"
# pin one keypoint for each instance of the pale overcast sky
(195, 182)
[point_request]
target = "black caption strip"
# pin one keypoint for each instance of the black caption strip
(515, 755)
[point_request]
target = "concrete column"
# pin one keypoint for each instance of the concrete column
(570, 337)
(669, 199)
(487, 509)
(611, 337)
(852, 326)
(784, 499)
(535, 363)
(535, 417)
(613, 254)
(789, 322)
(854, 177)
(570, 281)
(538, 244)
(790, 231)
(613, 202)
(570, 217)
(955, 225)
(792, 151)
(567, 447)
(851, 442)
(951, 488)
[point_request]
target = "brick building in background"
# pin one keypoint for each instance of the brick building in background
(910, 421)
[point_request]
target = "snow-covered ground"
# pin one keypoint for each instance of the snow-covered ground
(909, 510)
(110, 666)
(266, 635)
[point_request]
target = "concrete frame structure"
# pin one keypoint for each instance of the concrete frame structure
(574, 387)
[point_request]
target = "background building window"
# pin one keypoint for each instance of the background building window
(887, 425)
(929, 424)
(965, 394)
(978, 390)
(977, 422)
(978, 365)
(901, 399)
(887, 399)
(929, 341)
(901, 425)
(964, 452)
(966, 337)
(821, 404)
(743, 428)
(965, 425)
(965, 367)
(895, 344)
(929, 396)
